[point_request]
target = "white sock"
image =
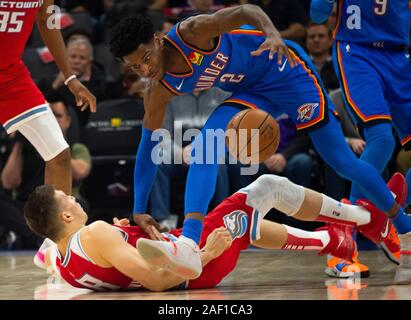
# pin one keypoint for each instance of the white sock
(305, 240)
(335, 211)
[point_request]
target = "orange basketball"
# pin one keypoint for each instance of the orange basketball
(252, 136)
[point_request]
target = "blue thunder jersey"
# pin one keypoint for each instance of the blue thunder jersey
(255, 82)
(380, 23)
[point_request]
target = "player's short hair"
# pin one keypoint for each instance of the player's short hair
(41, 212)
(129, 33)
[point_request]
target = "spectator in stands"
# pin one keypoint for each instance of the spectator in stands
(129, 86)
(24, 169)
(184, 112)
(288, 16)
(197, 7)
(80, 56)
(332, 19)
(319, 42)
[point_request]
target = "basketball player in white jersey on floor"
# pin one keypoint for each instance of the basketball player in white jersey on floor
(107, 254)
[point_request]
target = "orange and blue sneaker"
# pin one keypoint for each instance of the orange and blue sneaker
(340, 268)
(391, 244)
(380, 229)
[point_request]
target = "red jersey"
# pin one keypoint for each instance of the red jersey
(80, 271)
(16, 23)
(20, 99)
(233, 213)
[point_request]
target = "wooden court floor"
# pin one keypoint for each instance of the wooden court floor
(259, 275)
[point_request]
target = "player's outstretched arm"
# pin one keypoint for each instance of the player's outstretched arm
(111, 247)
(320, 10)
(54, 41)
(199, 30)
(155, 103)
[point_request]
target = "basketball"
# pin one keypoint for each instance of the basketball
(252, 136)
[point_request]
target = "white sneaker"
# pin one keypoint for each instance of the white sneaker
(403, 273)
(170, 223)
(182, 257)
(40, 258)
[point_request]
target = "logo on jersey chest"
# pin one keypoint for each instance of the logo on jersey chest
(196, 58)
(236, 223)
(213, 71)
(306, 111)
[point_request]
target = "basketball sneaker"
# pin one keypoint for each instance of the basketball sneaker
(341, 243)
(180, 256)
(340, 268)
(40, 256)
(346, 268)
(391, 244)
(403, 273)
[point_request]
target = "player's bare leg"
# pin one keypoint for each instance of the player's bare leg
(333, 239)
(271, 191)
(58, 172)
(306, 204)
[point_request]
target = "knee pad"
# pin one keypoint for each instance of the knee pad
(272, 191)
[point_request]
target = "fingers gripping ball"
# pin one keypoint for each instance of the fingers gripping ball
(252, 136)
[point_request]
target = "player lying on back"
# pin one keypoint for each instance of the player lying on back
(104, 257)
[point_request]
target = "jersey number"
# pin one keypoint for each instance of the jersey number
(354, 13)
(233, 78)
(11, 21)
(380, 7)
(92, 283)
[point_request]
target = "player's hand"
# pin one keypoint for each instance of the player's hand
(218, 241)
(186, 155)
(158, 236)
(274, 43)
(84, 98)
(357, 145)
(122, 223)
(147, 222)
(276, 163)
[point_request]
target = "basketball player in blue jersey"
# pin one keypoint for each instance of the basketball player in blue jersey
(373, 65)
(261, 71)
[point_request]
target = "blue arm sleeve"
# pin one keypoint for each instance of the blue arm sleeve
(320, 10)
(144, 172)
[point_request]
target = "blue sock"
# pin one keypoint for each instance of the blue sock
(401, 222)
(379, 149)
(192, 229)
(408, 179)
